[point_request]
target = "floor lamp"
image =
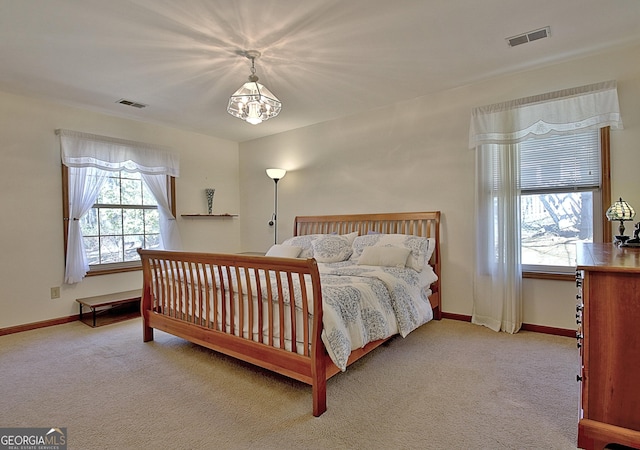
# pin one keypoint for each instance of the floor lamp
(276, 175)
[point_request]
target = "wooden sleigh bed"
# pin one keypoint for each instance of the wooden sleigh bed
(234, 303)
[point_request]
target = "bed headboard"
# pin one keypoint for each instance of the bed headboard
(425, 224)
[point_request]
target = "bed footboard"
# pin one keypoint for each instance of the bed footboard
(266, 311)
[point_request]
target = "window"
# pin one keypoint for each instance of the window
(118, 196)
(500, 134)
(561, 199)
(123, 219)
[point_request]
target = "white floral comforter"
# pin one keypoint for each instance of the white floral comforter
(362, 304)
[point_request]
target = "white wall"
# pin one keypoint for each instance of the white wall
(413, 156)
(31, 191)
(410, 156)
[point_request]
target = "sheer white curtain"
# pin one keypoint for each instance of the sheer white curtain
(90, 158)
(169, 235)
(495, 132)
(84, 186)
(498, 275)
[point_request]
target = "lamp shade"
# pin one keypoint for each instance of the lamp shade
(620, 210)
(276, 174)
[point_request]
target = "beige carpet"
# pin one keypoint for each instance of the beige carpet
(448, 385)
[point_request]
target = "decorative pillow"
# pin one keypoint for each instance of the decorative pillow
(420, 248)
(284, 251)
(331, 248)
(305, 242)
(351, 236)
(384, 256)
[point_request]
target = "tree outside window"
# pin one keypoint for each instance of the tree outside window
(123, 219)
(561, 198)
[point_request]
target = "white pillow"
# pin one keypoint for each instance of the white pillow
(420, 248)
(351, 236)
(331, 248)
(384, 256)
(284, 251)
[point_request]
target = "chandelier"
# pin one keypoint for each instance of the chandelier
(253, 102)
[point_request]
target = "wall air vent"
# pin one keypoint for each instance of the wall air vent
(529, 37)
(122, 101)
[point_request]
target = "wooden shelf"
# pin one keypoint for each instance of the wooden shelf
(212, 216)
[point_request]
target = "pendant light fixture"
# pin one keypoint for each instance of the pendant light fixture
(253, 102)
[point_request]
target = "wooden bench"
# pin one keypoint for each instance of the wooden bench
(109, 301)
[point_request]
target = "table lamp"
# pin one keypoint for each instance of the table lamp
(621, 211)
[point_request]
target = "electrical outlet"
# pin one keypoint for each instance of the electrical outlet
(55, 292)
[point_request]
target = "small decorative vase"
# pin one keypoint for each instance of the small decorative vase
(210, 192)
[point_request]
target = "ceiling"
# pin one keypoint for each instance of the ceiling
(324, 59)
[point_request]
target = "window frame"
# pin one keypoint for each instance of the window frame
(129, 266)
(605, 194)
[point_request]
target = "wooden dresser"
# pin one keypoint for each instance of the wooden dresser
(608, 316)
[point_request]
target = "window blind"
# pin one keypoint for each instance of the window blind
(562, 162)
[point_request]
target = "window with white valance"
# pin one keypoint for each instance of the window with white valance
(512, 140)
(583, 108)
(94, 165)
(112, 154)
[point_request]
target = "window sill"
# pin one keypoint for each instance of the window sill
(209, 215)
(549, 276)
(94, 272)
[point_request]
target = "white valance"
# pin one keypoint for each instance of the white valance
(566, 111)
(89, 150)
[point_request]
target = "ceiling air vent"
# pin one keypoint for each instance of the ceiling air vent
(122, 101)
(528, 37)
